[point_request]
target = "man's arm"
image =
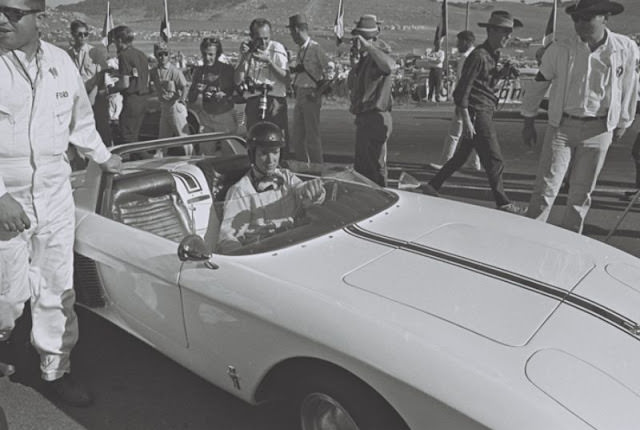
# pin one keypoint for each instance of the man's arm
(470, 71)
(629, 87)
(181, 87)
(535, 92)
(384, 62)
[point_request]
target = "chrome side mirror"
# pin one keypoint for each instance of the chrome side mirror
(193, 248)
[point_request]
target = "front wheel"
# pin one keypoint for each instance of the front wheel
(340, 401)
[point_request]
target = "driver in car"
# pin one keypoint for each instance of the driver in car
(268, 198)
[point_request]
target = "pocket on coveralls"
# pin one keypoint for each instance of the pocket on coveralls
(7, 125)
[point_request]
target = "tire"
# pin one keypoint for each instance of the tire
(339, 401)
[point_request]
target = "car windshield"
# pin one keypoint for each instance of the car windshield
(251, 223)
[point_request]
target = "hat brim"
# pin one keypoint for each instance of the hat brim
(610, 7)
(516, 24)
(365, 31)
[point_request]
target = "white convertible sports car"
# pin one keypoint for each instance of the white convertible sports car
(376, 310)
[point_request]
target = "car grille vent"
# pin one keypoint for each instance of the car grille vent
(86, 282)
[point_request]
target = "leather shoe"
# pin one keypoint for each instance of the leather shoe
(70, 391)
(513, 208)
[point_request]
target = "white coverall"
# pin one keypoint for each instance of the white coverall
(250, 215)
(43, 107)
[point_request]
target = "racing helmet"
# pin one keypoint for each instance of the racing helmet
(264, 134)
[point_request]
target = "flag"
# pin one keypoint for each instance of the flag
(338, 26)
(107, 26)
(443, 21)
(165, 29)
(550, 32)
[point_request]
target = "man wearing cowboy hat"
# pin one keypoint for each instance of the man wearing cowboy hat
(592, 102)
(310, 70)
(475, 98)
(369, 82)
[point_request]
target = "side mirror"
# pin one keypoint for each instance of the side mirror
(193, 248)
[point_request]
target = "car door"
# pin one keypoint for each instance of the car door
(139, 271)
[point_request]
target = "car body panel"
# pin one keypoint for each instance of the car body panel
(438, 306)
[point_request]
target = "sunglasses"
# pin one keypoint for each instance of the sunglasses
(14, 15)
(81, 34)
(577, 17)
(162, 54)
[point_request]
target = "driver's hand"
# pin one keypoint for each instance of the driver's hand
(312, 190)
(112, 165)
(13, 218)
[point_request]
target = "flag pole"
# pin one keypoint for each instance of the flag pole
(445, 20)
(466, 22)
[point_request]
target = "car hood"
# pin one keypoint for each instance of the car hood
(498, 275)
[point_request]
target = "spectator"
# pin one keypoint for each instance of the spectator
(211, 91)
(370, 84)
(591, 104)
(635, 153)
(310, 73)
(36, 204)
(465, 41)
(476, 101)
(436, 59)
(133, 82)
(267, 198)
(170, 86)
(264, 61)
(114, 99)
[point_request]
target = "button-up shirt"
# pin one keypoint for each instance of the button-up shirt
(261, 72)
(315, 62)
(88, 68)
(589, 92)
(556, 70)
(477, 83)
(43, 108)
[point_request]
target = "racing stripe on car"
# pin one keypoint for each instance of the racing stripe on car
(563, 296)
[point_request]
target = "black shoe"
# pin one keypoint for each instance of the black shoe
(70, 391)
(513, 208)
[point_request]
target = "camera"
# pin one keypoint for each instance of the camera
(355, 47)
(298, 68)
(509, 71)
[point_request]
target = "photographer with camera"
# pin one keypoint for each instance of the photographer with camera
(211, 91)
(263, 65)
(476, 100)
(308, 83)
(370, 84)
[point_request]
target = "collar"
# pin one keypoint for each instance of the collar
(494, 53)
(266, 182)
(605, 44)
(306, 44)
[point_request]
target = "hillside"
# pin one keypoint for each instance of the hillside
(397, 14)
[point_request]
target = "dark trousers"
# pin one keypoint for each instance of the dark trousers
(485, 142)
(372, 132)
(133, 110)
(101, 116)
(435, 83)
(635, 152)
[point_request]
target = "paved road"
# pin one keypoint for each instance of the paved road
(138, 388)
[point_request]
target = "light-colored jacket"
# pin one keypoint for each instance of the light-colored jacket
(556, 67)
(37, 123)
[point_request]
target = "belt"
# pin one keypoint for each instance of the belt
(583, 118)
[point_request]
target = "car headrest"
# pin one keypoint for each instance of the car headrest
(142, 184)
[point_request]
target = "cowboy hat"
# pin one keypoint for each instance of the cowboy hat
(595, 7)
(502, 19)
(367, 25)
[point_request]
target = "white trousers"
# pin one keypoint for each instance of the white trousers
(451, 144)
(37, 264)
(585, 145)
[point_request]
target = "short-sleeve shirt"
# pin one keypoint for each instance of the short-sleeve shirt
(161, 78)
(133, 63)
(261, 72)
